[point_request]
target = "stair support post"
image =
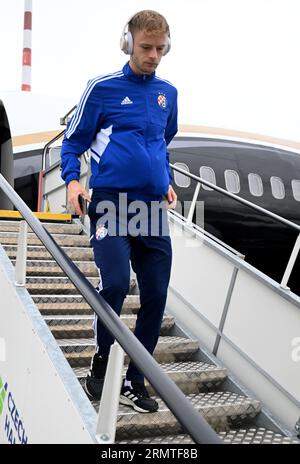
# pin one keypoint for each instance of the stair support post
(109, 405)
(290, 264)
(189, 219)
(20, 269)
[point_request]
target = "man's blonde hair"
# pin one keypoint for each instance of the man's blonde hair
(149, 21)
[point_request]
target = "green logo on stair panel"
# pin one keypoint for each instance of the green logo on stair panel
(3, 389)
(13, 425)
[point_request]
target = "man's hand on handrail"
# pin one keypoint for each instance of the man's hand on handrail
(75, 190)
(171, 198)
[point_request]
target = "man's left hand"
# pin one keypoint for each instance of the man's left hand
(171, 198)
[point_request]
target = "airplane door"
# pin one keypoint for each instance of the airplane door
(6, 156)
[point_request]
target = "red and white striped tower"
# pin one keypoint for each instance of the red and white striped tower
(26, 62)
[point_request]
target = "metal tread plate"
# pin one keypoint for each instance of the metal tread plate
(68, 240)
(249, 436)
(49, 262)
(72, 228)
(60, 284)
(190, 366)
(39, 252)
(190, 377)
(51, 268)
(74, 304)
(68, 320)
(49, 285)
(87, 342)
(75, 319)
(222, 410)
(42, 248)
(44, 298)
(56, 280)
(63, 322)
(168, 349)
(82, 326)
(256, 436)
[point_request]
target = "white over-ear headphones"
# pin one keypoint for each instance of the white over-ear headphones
(126, 41)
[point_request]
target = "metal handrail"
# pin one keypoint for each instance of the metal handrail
(200, 431)
(41, 173)
(58, 136)
(275, 217)
(63, 121)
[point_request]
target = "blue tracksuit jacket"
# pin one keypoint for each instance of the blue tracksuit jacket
(127, 121)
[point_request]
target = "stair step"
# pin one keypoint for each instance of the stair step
(256, 436)
(51, 268)
(179, 439)
(75, 304)
(81, 327)
(68, 240)
(9, 215)
(169, 349)
(190, 377)
(222, 410)
(39, 252)
(55, 285)
(253, 435)
(14, 226)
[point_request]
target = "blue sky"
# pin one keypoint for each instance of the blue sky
(235, 62)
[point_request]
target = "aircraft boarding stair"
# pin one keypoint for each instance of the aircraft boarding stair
(235, 416)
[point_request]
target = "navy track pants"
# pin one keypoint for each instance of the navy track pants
(151, 258)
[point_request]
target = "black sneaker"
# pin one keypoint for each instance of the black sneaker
(95, 378)
(137, 397)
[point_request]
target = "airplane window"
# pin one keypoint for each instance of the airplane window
(180, 179)
(232, 181)
(296, 189)
(255, 185)
(208, 174)
(53, 156)
(277, 187)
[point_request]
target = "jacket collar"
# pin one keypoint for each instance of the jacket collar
(136, 77)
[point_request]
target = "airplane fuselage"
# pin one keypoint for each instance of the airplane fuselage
(264, 175)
